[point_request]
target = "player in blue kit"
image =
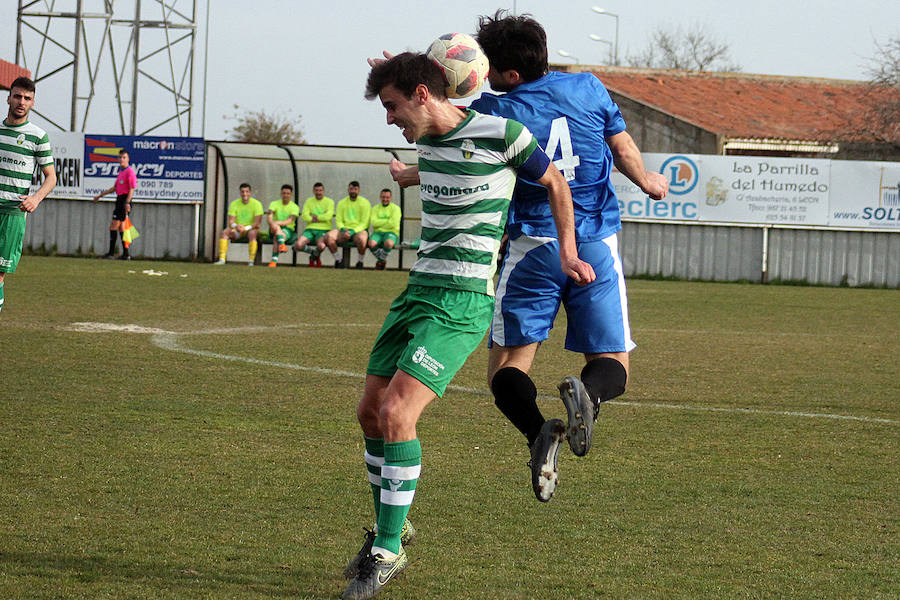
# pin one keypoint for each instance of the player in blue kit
(582, 131)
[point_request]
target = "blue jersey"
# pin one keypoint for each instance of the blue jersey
(571, 115)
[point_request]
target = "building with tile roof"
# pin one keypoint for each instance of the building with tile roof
(9, 72)
(738, 113)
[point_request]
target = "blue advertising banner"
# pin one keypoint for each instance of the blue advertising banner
(167, 168)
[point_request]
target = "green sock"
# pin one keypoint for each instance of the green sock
(374, 461)
(280, 237)
(402, 465)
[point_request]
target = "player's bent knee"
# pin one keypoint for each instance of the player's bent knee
(394, 415)
(367, 414)
(604, 378)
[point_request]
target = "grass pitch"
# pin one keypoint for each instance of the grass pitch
(212, 451)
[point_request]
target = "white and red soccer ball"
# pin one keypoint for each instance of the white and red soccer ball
(462, 61)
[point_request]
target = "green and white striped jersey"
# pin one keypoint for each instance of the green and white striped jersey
(21, 148)
(467, 177)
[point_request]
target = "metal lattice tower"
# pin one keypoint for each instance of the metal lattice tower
(125, 72)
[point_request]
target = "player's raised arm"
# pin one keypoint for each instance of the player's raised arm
(627, 159)
(405, 176)
(563, 214)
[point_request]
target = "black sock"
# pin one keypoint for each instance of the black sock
(604, 378)
(515, 396)
(112, 241)
(124, 247)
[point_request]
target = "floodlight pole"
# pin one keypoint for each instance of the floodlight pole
(603, 11)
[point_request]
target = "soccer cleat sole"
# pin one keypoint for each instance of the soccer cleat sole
(580, 411)
(544, 453)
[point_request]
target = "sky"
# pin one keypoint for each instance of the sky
(299, 57)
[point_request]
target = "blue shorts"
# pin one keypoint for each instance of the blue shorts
(532, 285)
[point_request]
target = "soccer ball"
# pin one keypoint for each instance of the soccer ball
(462, 61)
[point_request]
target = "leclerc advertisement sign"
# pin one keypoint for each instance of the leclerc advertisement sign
(167, 168)
(767, 190)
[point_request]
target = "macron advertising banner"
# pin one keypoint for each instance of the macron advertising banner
(167, 168)
(765, 190)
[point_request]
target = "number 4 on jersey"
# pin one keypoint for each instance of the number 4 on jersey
(561, 139)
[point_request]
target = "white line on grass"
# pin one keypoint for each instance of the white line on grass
(171, 340)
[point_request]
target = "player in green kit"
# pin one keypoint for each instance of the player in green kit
(467, 164)
(23, 146)
(385, 220)
(282, 216)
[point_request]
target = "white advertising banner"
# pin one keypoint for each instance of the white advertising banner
(765, 190)
(684, 174)
(743, 189)
(865, 194)
(68, 156)
(732, 189)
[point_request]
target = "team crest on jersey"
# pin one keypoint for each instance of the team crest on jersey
(21, 139)
(468, 148)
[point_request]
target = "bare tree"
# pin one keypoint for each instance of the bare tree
(694, 49)
(884, 73)
(262, 127)
(884, 67)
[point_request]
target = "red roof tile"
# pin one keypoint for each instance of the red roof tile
(740, 105)
(9, 72)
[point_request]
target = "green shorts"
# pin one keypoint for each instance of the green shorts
(290, 235)
(314, 235)
(429, 333)
(380, 236)
(349, 232)
(12, 233)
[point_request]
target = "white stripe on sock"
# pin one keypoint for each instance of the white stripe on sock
(398, 498)
(404, 473)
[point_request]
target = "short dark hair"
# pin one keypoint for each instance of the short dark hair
(514, 42)
(405, 72)
(22, 82)
(388, 190)
(244, 185)
(353, 183)
(287, 186)
(123, 151)
(318, 184)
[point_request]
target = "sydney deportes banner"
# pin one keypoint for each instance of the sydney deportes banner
(767, 190)
(167, 168)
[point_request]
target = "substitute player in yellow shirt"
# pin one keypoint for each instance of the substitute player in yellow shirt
(282, 216)
(352, 216)
(318, 211)
(385, 222)
(244, 216)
